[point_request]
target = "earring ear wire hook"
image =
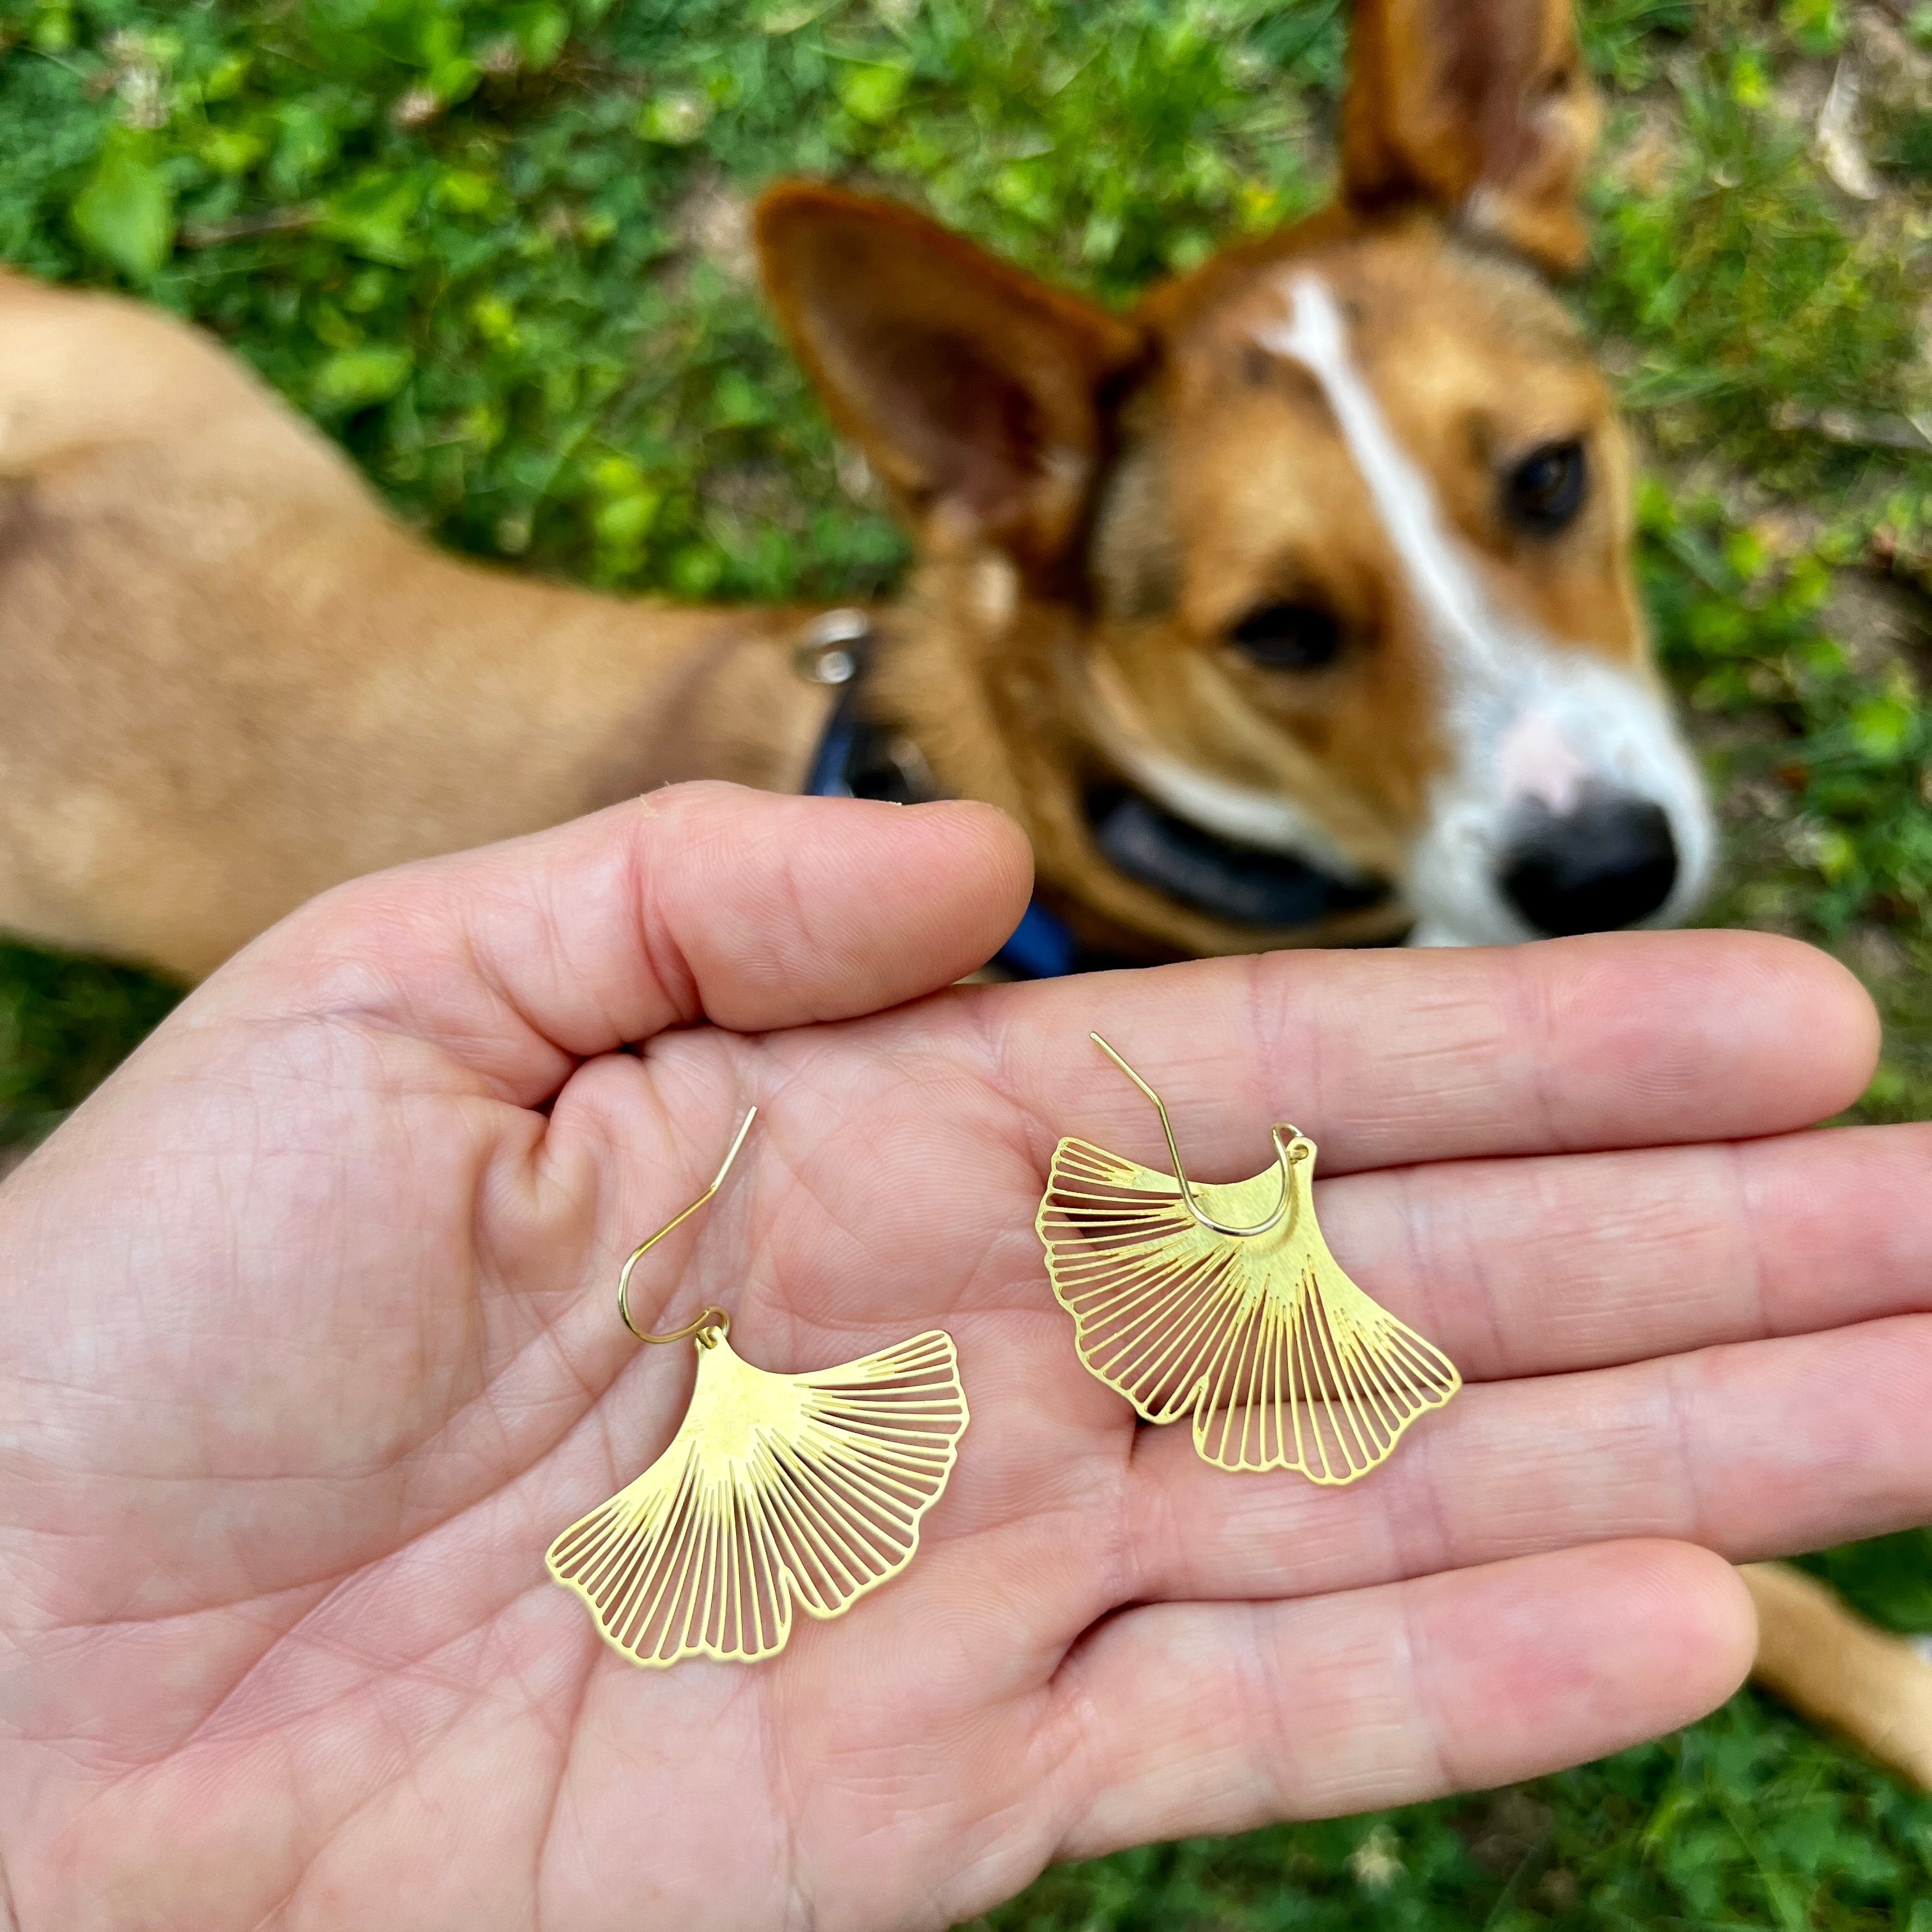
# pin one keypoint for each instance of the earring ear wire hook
(713, 1322)
(1288, 1152)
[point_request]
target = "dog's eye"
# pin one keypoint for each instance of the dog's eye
(1288, 636)
(1546, 489)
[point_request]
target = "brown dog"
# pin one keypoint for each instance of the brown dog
(1294, 607)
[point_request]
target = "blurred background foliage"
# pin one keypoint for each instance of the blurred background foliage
(499, 248)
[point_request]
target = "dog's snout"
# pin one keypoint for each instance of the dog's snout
(1609, 862)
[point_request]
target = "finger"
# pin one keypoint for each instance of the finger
(702, 901)
(1530, 1266)
(1760, 1449)
(1187, 1718)
(1617, 1040)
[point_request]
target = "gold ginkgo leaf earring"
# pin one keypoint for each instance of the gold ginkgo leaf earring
(1224, 1302)
(776, 1490)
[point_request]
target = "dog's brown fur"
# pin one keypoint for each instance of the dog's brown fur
(1834, 1668)
(228, 680)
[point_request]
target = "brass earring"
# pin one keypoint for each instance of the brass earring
(1224, 1302)
(776, 1490)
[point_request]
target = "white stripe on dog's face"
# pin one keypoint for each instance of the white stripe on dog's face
(1529, 718)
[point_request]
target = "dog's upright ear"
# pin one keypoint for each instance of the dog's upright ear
(1481, 109)
(976, 391)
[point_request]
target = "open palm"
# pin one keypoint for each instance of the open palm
(308, 1349)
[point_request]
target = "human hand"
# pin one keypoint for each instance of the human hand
(308, 1350)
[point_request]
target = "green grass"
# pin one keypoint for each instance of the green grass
(489, 244)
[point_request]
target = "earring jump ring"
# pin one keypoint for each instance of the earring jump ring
(707, 1330)
(713, 1323)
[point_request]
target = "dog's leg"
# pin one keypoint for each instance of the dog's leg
(1834, 1668)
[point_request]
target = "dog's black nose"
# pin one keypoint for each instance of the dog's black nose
(1610, 861)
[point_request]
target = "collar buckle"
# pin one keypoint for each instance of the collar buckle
(831, 649)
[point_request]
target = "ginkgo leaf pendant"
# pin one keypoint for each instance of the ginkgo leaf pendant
(776, 1490)
(1224, 1302)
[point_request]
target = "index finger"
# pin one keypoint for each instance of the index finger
(1618, 1040)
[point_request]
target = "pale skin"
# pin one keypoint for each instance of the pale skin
(308, 1348)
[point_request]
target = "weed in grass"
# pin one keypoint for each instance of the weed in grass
(1748, 300)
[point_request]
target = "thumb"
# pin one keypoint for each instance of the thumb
(699, 902)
